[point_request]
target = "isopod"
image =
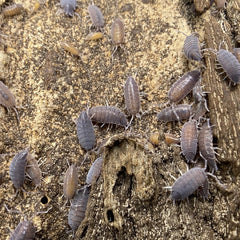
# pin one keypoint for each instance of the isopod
(78, 208)
(132, 97)
(236, 52)
(94, 36)
(230, 65)
(68, 47)
(178, 113)
(108, 115)
(206, 149)
(12, 10)
(171, 139)
(24, 230)
(7, 99)
(85, 131)
(70, 182)
(94, 171)
(189, 182)
(117, 33)
(69, 6)
(201, 110)
(33, 170)
(96, 16)
(17, 168)
(189, 140)
(220, 4)
(191, 48)
(183, 86)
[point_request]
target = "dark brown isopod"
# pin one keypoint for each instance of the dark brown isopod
(183, 86)
(6, 98)
(69, 6)
(108, 115)
(17, 168)
(117, 33)
(70, 182)
(85, 131)
(189, 140)
(25, 230)
(206, 149)
(189, 182)
(230, 65)
(78, 208)
(96, 16)
(132, 96)
(12, 10)
(191, 48)
(178, 113)
(33, 170)
(94, 171)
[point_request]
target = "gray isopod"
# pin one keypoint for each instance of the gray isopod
(183, 86)
(7, 99)
(132, 96)
(17, 168)
(189, 182)
(25, 230)
(230, 65)
(206, 149)
(189, 140)
(178, 113)
(191, 48)
(117, 33)
(85, 131)
(69, 6)
(78, 208)
(94, 171)
(96, 16)
(108, 115)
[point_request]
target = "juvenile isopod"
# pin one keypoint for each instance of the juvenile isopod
(25, 230)
(183, 86)
(69, 6)
(189, 140)
(178, 113)
(7, 99)
(85, 131)
(206, 149)
(94, 171)
(96, 16)
(94, 36)
(132, 97)
(70, 182)
(188, 183)
(117, 34)
(108, 115)
(71, 49)
(171, 139)
(201, 110)
(230, 65)
(191, 48)
(17, 169)
(12, 10)
(78, 208)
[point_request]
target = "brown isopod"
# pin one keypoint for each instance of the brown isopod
(171, 139)
(183, 86)
(96, 16)
(85, 131)
(191, 48)
(206, 149)
(17, 169)
(7, 99)
(33, 170)
(117, 34)
(78, 208)
(230, 65)
(189, 140)
(70, 182)
(94, 171)
(178, 113)
(71, 49)
(94, 36)
(132, 97)
(188, 183)
(108, 115)
(12, 10)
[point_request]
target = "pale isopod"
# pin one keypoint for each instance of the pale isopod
(94, 171)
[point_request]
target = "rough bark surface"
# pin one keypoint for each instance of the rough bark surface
(52, 87)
